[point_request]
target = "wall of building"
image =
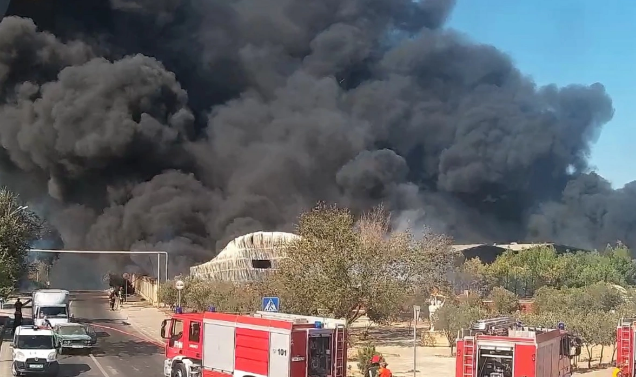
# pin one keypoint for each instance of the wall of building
(146, 287)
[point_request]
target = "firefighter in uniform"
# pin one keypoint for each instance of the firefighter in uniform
(375, 366)
(384, 371)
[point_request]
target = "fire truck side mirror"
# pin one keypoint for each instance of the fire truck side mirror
(163, 328)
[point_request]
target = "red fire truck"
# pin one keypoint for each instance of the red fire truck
(625, 341)
(263, 344)
(501, 347)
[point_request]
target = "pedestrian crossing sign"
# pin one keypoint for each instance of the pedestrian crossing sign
(271, 304)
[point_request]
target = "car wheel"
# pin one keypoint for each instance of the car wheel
(179, 370)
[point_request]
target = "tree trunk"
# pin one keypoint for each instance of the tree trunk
(589, 356)
(452, 348)
(600, 362)
(613, 355)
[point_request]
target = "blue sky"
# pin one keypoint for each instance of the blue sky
(570, 41)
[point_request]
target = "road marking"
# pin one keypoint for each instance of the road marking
(112, 370)
(143, 339)
(99, 366)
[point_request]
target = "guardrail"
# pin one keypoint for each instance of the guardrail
(146, 287)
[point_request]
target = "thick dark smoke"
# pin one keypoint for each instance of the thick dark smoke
(180, 124)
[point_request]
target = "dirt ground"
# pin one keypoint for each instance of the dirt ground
(395, 343)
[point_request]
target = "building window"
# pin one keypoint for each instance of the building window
(261, 263)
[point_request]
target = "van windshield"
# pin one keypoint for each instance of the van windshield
(35, 342)
(53, 312)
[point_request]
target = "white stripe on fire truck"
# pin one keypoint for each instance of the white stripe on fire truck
(248, 326)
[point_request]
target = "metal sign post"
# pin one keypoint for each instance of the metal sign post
(416, 317)
(179, 285)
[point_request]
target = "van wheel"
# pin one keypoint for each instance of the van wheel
(179, 370)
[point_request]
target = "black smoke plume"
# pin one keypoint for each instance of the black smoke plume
(180, 124)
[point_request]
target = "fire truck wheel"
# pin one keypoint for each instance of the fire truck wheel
(179, 370)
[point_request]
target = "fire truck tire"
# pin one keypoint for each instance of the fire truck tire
(179, 370)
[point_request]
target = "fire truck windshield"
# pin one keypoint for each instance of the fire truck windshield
(319, 356)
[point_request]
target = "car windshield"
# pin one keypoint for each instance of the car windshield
(53, 312)
(35, 342)
(72, 330)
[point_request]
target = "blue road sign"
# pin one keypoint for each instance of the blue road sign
(271, 304)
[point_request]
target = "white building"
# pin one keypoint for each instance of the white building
(246, 258)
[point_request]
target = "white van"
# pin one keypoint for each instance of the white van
(35, 352)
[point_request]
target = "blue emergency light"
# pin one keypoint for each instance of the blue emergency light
(211, 309)
(561, 326)
(178, 310)
(318, 325)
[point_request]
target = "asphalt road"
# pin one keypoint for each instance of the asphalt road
(120, 351)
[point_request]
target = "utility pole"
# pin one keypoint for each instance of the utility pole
(416, 317)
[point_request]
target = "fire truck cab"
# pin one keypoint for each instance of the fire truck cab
(263, 344)
(501, 347)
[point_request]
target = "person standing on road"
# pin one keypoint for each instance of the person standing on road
(112, 297)
(17, 315)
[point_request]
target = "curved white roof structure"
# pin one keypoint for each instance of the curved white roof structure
(246, 258)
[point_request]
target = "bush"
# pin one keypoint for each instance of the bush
(167, 293)
(428, 339)
(365, 354)
(225, 296)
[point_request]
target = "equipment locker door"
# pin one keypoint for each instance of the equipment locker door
(525, 360)
(279, 354)
(319, 354)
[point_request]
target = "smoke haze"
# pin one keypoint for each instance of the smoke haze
(180, 124)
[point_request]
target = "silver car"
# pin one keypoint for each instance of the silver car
(75, 336)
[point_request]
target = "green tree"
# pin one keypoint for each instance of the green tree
(503, 301)
(343, 266)
(525, 271)
(548, 320)
(607, 336)
(19, 227)
(548, 299)
(475, 275)
(453, 317)
(588, 327)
